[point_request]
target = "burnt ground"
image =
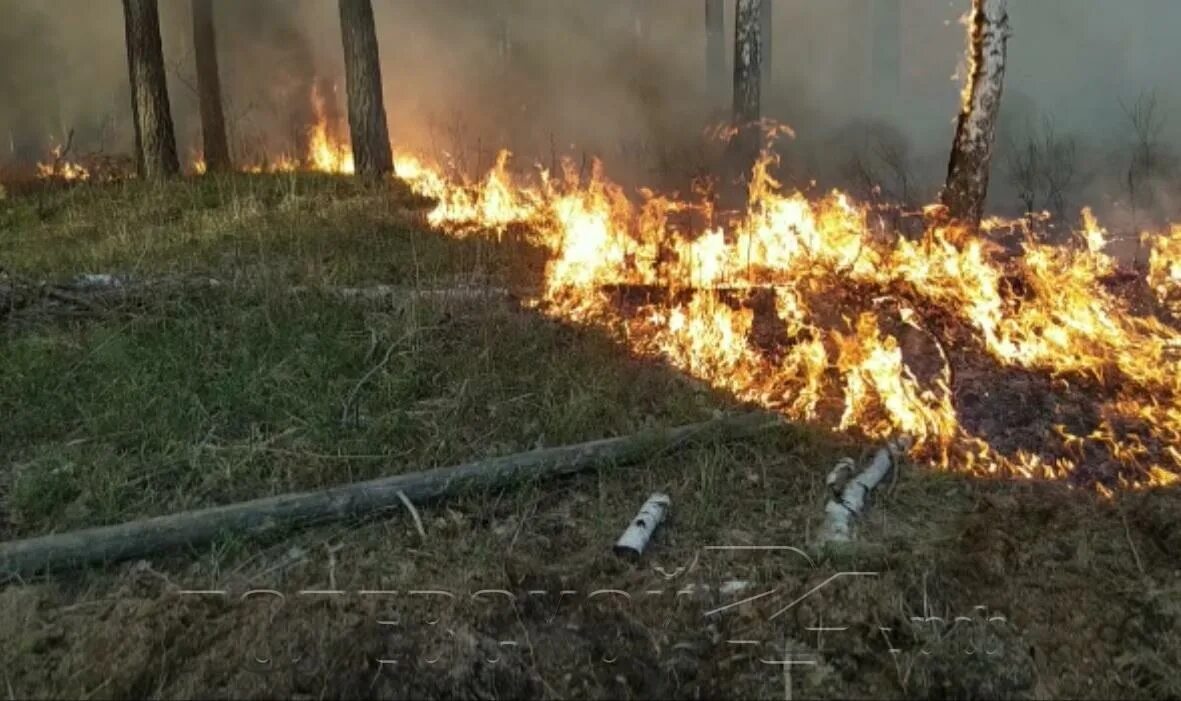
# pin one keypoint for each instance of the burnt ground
(1015, 410)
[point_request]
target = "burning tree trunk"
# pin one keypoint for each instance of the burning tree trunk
(715, 51)
(367, 119)
(155, 143)
(967, 172)
(213, 123)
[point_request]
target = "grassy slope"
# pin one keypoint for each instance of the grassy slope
(187, 398)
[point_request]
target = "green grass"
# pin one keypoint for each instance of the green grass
(294, 227)
(185, 399)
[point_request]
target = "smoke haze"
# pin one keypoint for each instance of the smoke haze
(869, 86)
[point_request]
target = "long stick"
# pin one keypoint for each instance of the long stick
(187, 529)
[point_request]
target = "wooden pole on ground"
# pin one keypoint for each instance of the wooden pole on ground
(269, 515)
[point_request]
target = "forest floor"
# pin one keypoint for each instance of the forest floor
(196, 395)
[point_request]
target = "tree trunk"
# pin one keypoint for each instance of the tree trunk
(213, 122)
(372, 154)
(971, 154)
(747, 60)
(767, 34)
(155, 142)
(746, 139)
(715, 52)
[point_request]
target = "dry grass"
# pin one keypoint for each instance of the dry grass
(194, 397)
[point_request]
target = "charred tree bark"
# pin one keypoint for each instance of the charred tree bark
(367, 119)
(155, 141)
(971, 153)
(715, 52)
(213, 121)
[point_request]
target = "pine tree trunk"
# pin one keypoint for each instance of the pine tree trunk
(213, 122)
(971, 154)
(747, 139)
(747, 60)
(372, 154)
(155, 142)
(715, 52)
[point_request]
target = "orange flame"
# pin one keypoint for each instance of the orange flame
(810, 255)
(61, 169)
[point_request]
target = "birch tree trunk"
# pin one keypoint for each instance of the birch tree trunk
(155, 141)
(715, 52)
(368, 129)
(213, 121)
(971, 153)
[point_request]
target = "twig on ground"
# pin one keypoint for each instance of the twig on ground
(1132, 544)
(413, 514)
(348, 402)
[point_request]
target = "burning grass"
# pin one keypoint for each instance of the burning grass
(862, 332)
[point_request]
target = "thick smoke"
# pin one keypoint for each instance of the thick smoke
(869, 87)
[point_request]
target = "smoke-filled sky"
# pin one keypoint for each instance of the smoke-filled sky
(581, 74)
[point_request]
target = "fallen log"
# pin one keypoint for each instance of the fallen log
(272, 514)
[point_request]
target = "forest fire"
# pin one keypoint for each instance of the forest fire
(1009, 365)
(997, 364)
(61, 169)
(324, 154)
(799, 307)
